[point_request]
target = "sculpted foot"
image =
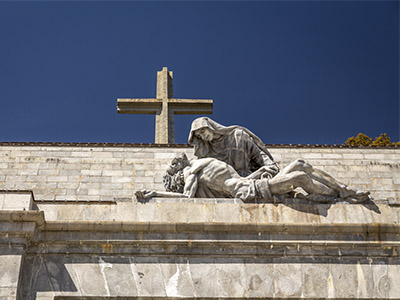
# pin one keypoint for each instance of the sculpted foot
(317, 198)
(346, 192)
(358, 197)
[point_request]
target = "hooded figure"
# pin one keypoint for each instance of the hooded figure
(235, 145)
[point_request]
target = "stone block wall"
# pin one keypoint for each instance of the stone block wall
(114, 247)
(112, 173)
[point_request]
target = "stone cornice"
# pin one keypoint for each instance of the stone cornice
(376, 229)
(149, 145)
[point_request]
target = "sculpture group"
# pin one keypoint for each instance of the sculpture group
(232, 162)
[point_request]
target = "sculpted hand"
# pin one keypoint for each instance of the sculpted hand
(145, 194)
(269, 171)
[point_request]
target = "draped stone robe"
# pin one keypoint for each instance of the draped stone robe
(236, 145)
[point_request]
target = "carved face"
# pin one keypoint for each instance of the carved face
(205, 134)
(178, 163)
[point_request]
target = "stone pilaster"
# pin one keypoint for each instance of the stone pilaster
(18, 224)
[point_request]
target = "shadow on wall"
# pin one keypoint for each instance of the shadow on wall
(322, 209)
(45, 275)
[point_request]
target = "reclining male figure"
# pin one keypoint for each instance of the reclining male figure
(209, 177)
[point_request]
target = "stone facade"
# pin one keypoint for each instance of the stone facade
(81, 234)
(105, 173)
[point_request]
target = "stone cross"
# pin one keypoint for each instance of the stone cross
(164, 107)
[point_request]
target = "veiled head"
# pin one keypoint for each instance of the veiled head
(201, 124)
(202, 132)
(205, 134)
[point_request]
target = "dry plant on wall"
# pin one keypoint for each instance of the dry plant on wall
(364, 140)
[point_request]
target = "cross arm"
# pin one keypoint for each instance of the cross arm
(191, 106)
(152, 106)
(138, 106)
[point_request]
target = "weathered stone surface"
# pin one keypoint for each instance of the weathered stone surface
(17, 200)
(316, 279)
(9, 270)
(90, 278)
(218, 277)
(287, 280)
(148, 277)
(212, 211)
(259, 278)
(177, 277)
(11, 258)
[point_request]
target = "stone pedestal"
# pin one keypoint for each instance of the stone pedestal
(215, 248)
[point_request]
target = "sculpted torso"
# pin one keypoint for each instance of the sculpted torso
(213, 173)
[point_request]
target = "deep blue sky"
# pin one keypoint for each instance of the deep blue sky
(292, 72)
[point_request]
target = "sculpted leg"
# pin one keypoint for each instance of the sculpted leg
(318, 175)
(297, 165)
(285, 183)
(343, 190)
(327, 180)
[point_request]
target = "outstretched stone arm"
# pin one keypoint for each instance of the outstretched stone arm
(191, 185)
(146, 194)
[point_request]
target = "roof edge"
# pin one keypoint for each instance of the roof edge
(148, 145)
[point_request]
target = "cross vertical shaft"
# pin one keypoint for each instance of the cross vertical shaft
(165, 123)
(165, 87)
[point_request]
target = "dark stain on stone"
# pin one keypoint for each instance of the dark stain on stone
(255, 282)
